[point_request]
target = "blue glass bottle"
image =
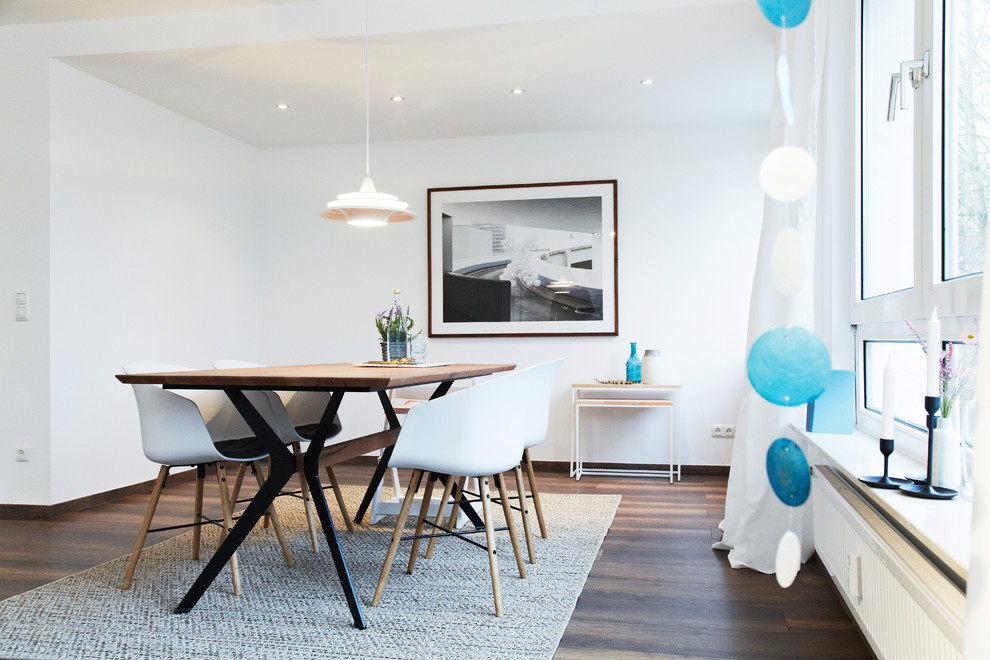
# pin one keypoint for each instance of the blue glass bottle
(634, 365)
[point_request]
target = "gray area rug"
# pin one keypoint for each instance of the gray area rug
(443, 610)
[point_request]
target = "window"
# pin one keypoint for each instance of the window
(924, 129)
(967, 136)
(888, 152)
(908, 362)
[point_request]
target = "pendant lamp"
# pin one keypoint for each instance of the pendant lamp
(367, 207)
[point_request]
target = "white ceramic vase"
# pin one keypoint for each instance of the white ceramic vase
(946, 456)
(652, 366)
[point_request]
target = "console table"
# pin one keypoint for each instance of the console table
(638, 396)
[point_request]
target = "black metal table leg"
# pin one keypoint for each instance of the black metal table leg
(282, 468)
(311, 468)
(376, 479)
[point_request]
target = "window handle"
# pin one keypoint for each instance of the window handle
(913, 70)
(895, 83)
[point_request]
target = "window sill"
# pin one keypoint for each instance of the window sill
(940, 529)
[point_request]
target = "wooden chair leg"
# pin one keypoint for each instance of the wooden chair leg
(536, 493)
(448, 486)
(145, 524)
(238, 482)
(335, 487)
(276, 523)
(510, 523)
(225, 505)
(306, 497)
(486, 507)
(397, 535)
(455, 508)
(198, 510)
(424, 511)
(524, 509)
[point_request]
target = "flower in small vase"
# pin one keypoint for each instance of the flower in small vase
(954, 375)
(391, 320)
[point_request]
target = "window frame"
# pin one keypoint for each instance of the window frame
(957, 300)
(959, 296)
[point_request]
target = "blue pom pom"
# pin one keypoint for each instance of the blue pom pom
(785, 13)
(787, 469)
(789, 366)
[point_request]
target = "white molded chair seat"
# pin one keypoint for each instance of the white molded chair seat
(196, 428)
(292, 415)
(470, 433)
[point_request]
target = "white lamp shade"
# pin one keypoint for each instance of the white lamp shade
(787, 173)
(368, 208)
(790, 261)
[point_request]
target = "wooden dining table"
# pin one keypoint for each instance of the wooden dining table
(337, 379)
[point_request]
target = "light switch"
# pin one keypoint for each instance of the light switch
(21, 306)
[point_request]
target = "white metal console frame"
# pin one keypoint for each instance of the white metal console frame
(600, 395)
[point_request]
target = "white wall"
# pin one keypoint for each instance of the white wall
(26, 348)
(24, 345)
(688, 224)
(89, 172)
(154, 256)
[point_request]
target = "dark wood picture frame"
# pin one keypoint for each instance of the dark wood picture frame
(523, 260)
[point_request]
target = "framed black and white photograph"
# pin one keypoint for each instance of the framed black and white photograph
(523, 260)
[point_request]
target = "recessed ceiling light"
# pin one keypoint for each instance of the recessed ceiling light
(518, 90)
(647, 81)
(282, 106)
(398, 99)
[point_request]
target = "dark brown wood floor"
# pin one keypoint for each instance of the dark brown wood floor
(656, 590)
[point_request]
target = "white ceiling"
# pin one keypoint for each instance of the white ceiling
(54, 11)
(711, 63)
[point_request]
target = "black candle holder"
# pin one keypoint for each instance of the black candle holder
(885, 481)
(926, 490)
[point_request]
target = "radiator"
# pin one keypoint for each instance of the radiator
(904, 605)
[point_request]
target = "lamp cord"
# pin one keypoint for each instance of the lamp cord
(367, 96)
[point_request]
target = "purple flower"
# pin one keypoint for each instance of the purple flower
(953, 378)
(922, 342)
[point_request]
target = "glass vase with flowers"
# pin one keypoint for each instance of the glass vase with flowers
(955, 371)
(395, 331)
(957, 368)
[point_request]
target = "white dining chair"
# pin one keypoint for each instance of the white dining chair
(537, 413)
(196, 428)
(470, 433)
(402, 399)
(292, 415)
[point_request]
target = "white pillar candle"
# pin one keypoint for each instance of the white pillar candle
(887, 418)
(934, 354)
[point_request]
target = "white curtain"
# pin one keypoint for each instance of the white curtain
(755, 519)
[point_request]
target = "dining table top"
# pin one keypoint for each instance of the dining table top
(344, 376)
